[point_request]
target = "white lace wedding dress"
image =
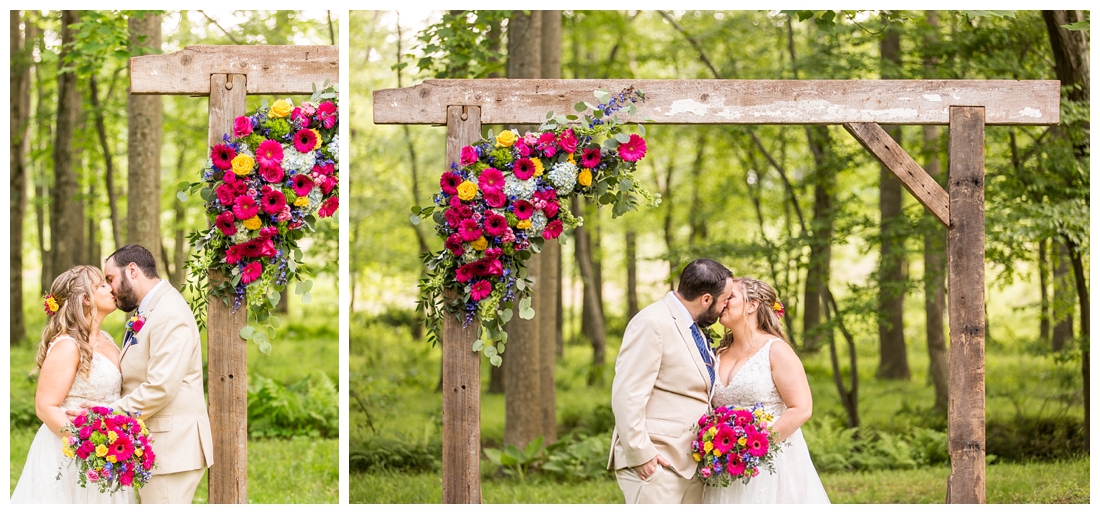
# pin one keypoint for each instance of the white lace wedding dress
(40, 482)
(795, 479)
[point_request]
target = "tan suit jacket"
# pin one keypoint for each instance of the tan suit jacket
(162, 378)
(660, 391)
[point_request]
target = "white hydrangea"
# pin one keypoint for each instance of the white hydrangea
(295, 160)
(563, 175)
(524, 189)
(241, 236)
(469, 254)
(538, 222)
(334, 147)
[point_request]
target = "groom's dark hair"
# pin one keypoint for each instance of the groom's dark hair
(136, 254)
(703, 276)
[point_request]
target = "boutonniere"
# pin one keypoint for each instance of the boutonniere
(711, 336)
(136, 323)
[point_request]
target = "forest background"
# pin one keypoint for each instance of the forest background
(93, 168)
(858, 263)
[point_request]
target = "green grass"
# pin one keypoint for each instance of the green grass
(279, 471)
(1046, 482)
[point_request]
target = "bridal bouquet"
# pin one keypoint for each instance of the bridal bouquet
(264, 186)
(508, 194)
(734, 443)
(112, 449)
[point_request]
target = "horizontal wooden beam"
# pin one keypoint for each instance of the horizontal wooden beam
(917, 181)
(271, 69)
(734, 102)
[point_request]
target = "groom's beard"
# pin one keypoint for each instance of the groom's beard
(125, 298)
(711, 316)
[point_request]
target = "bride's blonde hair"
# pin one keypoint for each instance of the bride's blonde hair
(766, 318)
(76, 308)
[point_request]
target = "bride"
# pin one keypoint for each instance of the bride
(756, 364)
(77, 362)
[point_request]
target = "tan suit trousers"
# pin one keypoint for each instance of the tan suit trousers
(171, 487)
(664, 486)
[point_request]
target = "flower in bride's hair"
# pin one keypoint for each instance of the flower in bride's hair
(779, 310)
(51, 305)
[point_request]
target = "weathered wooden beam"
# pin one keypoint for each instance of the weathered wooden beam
(735, 102)
(966, 299)
(917, 181)
(227, 353)
(271, 69)
(461, 365)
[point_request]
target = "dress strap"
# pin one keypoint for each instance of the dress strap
(57, 339)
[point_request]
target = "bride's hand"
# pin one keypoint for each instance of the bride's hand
(645, 470)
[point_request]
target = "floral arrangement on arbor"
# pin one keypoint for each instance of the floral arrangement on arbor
(508, 194)
(264, 187)
(112, 449)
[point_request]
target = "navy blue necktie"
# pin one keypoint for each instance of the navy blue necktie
(704, 350)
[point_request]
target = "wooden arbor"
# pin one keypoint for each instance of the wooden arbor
(226, 74)
(966, 106)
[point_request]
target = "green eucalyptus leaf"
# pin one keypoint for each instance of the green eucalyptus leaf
(306, 297)
(414, 219)
(247, 332)
(622, 138)
(580, 107)
(495, 360)
(265, 347)
(478, 345)
(181, 196)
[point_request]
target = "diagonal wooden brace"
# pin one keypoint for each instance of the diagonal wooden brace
(917, 181)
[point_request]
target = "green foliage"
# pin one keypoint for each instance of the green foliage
(378, 455)
(578, 458)
(463, 44)
(307, 408)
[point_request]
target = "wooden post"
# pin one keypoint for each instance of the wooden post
(966, 298)
(227, 353)
(461, 365)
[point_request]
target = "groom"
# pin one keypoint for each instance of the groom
(663, 377)
(161, 365)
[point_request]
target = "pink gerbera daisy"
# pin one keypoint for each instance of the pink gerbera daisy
(327, 113)
(305, 141)
(495, 224)
(523, 209)
(222, 156)
(245, 207)
(273, 201)
(590, 157)
(524, 169)
(725, 439)
(251, 272)
(481, 290)
(736, 465)
(449, 182)
(757, 442)
(469, 230)
(301, 184)
(491, 179)
(633, 150)
(329, 207)
(464, 273)
(741, 417)
(226, 223)
(552, 230)
(269, 154)
(234, 254)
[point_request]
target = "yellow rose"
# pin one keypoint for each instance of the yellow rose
(101, 451)
(507, 138)
(742, 441)
(480, 244)
(252, 223)
(67, 451)
(242, 164)
(696, 457)
(717, 452)
(138, 452)
(467, 191)
(112, 436)
(281, 108)
(708, 446)
(301, 201)
(112, 459)
(584, 178)
(538, 166)
(523, 224)
(712, 430)
(571, 160)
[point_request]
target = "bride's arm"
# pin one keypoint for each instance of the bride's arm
(54, 381)
(790, 380)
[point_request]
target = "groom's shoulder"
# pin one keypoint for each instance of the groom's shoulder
(655, 311)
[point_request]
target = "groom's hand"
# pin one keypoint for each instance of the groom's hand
(645, 470)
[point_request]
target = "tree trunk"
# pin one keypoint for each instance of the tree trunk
(549, 291)
(1083, 302)
(1044, 290)
(817, 271)
(101, 131)
(935, 299)
(631, 274)
(670, 243)
(697, 220)
(893, 361)
(1063, 300)
(522, 373)
(177, 274)
(143, 139)
(20, 104)
(42, 189)
(67, 204)
(592, 320)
